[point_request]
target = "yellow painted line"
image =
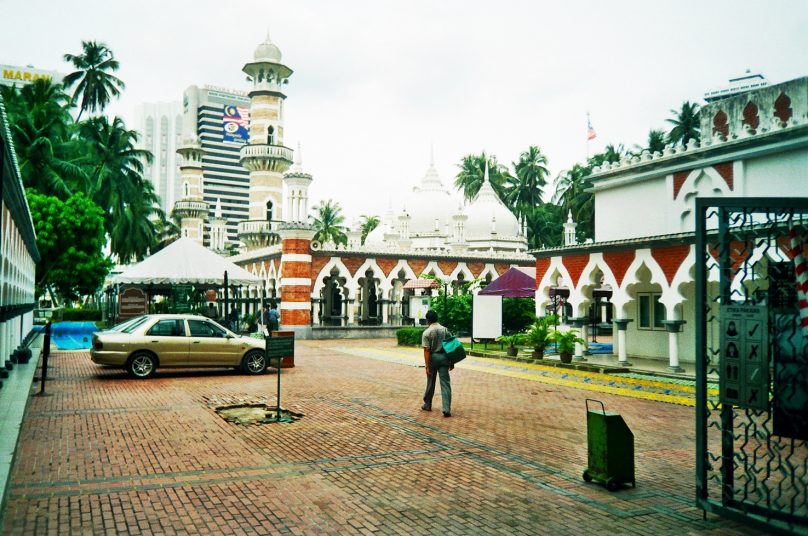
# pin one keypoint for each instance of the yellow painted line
(660, 384)
(620, 391)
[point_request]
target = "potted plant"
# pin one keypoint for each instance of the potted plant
(565, 343)
(517, 339)
(538, 335)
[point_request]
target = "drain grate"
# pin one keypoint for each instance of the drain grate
(256, 414)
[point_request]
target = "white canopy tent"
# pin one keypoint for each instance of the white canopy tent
(185, 261)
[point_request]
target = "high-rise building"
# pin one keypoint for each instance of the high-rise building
(219, 119)
(160, 126)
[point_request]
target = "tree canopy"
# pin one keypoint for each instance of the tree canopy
(70, 239)
(329, 223)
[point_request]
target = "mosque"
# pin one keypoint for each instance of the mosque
(322, 286)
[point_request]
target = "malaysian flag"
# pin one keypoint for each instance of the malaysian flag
(235, 123)
(590, 132)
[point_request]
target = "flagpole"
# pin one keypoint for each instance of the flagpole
(588, 122)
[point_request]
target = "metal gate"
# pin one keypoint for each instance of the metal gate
(752, 361)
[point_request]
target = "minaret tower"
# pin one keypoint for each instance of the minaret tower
(218, 229)
(297, 190)
(265, 156)
(191, 208)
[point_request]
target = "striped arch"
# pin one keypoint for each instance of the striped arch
(370, 264)
(401, 265)
(434, 268)
(334, 262)
(548, 280)
(489, 269)
(462, 268)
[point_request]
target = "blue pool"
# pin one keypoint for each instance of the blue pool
(72, 335)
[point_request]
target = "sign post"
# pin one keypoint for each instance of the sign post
(745, 356)
(280, 345)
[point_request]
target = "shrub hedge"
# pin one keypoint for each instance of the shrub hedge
(409, 336)
(81, 314)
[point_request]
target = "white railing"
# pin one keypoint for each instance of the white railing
(278, 152)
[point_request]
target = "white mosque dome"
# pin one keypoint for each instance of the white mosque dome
(267, 51)
(429, 201)
(487, 212)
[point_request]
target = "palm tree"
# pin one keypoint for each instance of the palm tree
(685, 124)
(367, 225)
(472, 170)
(329, 223)
(545, 225)
(526, 190)
(117, 185)
(571, 193)
(166, 230)
(42, 127)
(96, 85)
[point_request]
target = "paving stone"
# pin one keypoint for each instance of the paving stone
(107, 454)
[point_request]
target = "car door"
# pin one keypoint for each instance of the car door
(167, 339)
(211, 345)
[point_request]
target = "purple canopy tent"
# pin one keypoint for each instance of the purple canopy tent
(517, 282)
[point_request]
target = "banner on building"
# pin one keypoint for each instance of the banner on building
(235, 124)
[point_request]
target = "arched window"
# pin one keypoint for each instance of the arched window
(271, 135)
(185, 189)
(269, 210)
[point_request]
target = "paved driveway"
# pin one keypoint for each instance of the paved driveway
(107, 454)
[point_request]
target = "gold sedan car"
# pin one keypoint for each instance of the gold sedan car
(144, 343)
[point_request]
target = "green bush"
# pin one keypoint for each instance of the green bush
(409, 336)
(81, 314)
(517, 314)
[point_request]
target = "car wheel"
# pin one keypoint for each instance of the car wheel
(142, 365)
(254, 362)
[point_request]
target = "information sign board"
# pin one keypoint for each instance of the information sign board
(280, 347)
(744, 357)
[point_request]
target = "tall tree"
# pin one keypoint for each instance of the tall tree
(530, 178)
(367, 225)
(544, 225)
(329, 223)
(96, 85)
(166, 231)
(117, 184)
(472, 170)
(42, 127)
(70, 238)
(685, 123)
(571, 193)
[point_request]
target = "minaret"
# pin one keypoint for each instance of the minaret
(218, 228)
(191, 208)
(297, 190)
(569, 230)
(265, 156)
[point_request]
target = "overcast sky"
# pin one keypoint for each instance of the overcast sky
(376, 82)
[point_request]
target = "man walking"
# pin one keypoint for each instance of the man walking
(437, 364)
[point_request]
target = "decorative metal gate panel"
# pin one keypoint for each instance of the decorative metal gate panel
(752, 361)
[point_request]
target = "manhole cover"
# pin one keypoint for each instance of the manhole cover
(256, 414)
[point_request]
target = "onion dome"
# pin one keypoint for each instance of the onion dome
(487, 214)
(267, 52)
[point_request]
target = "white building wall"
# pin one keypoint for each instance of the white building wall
(782, 174)
(638, 209)
(160, 128)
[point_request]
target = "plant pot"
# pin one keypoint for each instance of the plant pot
(512, 351)
(566, 357)
(538, 354)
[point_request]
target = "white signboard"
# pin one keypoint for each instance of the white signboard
(419, 305)
(487, 317)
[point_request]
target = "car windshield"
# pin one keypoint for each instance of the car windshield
(130, 325)
(134, 324)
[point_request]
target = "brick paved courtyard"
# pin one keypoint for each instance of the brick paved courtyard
(108, 454)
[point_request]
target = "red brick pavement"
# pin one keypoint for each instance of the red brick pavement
(108, 454)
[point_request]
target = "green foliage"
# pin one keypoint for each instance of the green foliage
(454, 311)
(545, 226)
(565, 340)
(94, 82)
(514, 340)
(81, 314)
(538, 334)
(368, 224)
(686, 124)
(409, 336)
(472, 172)
(70, 238)
(517, 313)
(329, 223)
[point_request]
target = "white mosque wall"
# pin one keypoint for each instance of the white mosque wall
(636, 209)
(777, 175)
